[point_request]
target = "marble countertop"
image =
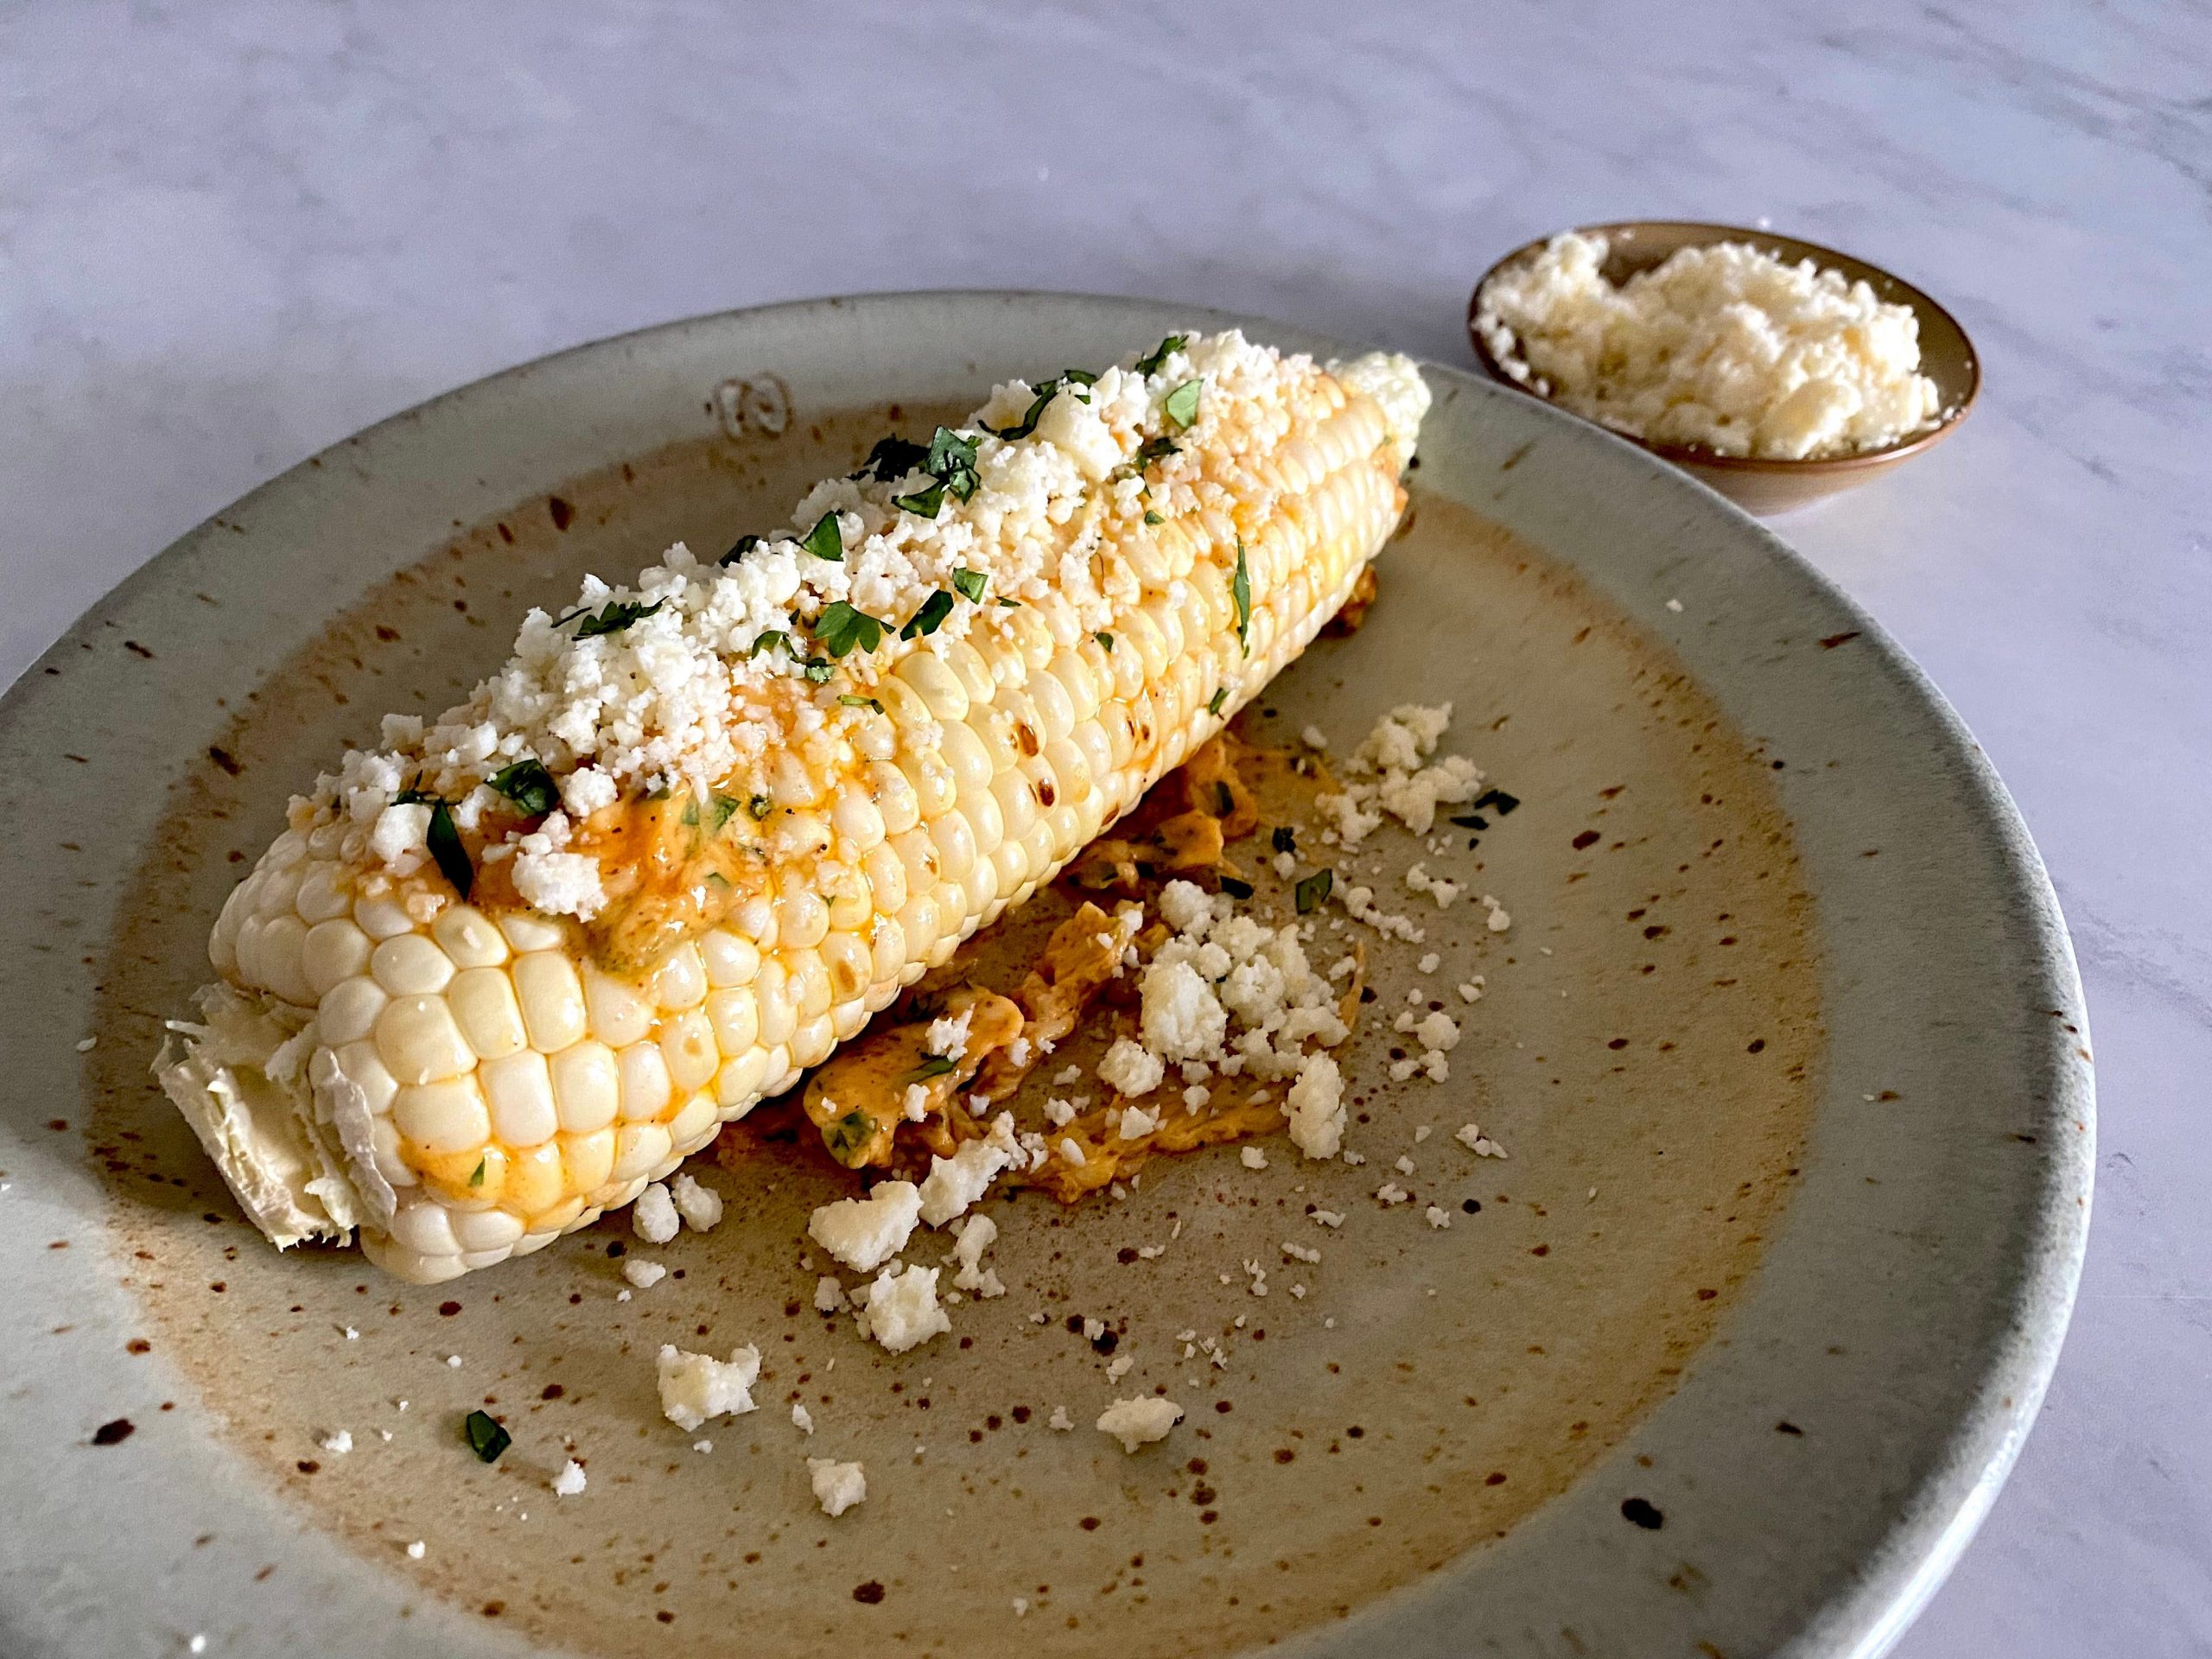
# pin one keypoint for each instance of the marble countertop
(233, 233)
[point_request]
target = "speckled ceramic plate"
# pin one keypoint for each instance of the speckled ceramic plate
(1728, 1357)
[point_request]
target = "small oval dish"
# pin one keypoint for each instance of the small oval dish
(1757, 483)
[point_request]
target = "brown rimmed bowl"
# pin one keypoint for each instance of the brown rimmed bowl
(1759, 485)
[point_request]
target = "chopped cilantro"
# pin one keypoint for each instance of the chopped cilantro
(969, 584)
(1180, 406)
(825, 540)
(1149, 364)
(476, 1175)
(1235, 888)
(893, 458)
(738, 549)
(1309, 893)
(951, 460)
(840, 628)
(1011, 604)
(817, 670)
(445, 847)
(1225, 799)
(1154, 450)
(690, 816)
(1240, 589)
(616, 617)
(1498, 798)
(1214, 702)
(528, 784)
(720, 811)
(1071, 381)
(849, 1137)
(932, 1065)
(484, 1437)
(1472, 820)
(772, 639)
(1152, 518)
(1105, 640)
(852, 702)
(760, 806)
(1284, 839)
(925, 503)
(930, 618)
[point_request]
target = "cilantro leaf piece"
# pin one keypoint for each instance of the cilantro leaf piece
(893, 458)
(617, 616)
(1235, 888)
(760, 806)
(528, 784)
(1220, 695)
(476, 1175)
(1154, 450)
(1472, 820)
(738, 549)
(1499, 800)
(771, 639)
(451, 856)
(1284, 839)
(852, 702)
(932, 1065)
(1105, 640)
(819, 672)
(930, 618)
(1309, 893)
(1181, 405)
(825, 540)
(969, 584)
(840, 628)
(484, 1437)
(1150, 363)
(925, 503)
(1152, 518)
(952, 459)
(720, 811)
(1240, 589)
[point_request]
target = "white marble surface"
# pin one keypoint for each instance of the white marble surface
(233, 233)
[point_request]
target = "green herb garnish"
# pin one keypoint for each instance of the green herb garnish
(445, 847)
(1068, 380)
(1154, 450)
(1010, 604)
(1214, 702)
(932, 1065)
(1309, 893)
(1105, 640)
(760, 806)
(1152, 518)
(930, 618)
(820, 672)
(925, 503)
(476, 1175)
(1472, 820)
(1235, 888)
(825, 540)
(852, 702)
(617, 616)
(771, 639)
(528, 784)
(849, 1137)
(720, 811)
(969, 584)
(1284, 839)
(1498, 798)
(893, 458)
(1240, 589)
(1149, 364)
(484, 1437)
(1180, 406)
(743, 545)
(952, 459)
(840, 628)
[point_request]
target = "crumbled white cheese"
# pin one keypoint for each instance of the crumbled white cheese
(699, 1206)
(1418, 880)
(1251, 1158)
(802, 1419)
(654, 1217)
(415, 1550)
(1725, 347)
(1135, 1123)
(1329, 1218)
(829, 1296)
(1499, 921)
(695, 1387)
(1477, 1142)
(954, 1183)
(1301, 1253)
(643, 1274)
(1437, 1216)
(1390, 1192)
(947, 1037)
(570, 1481)
(1473, 990)
(1392, 775)
(1315, 1108)
(338, 1441)
(1312, 737)
(902, 1311)
(1060, 1418)
(837, 1486)
(1139, 1421)
(864, 1233)
(1068, 1074)
(1130, 1069)
(978, 1236)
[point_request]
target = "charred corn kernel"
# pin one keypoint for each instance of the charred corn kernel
(460, 1077)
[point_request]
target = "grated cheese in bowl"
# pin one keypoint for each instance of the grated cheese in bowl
(1727, 348)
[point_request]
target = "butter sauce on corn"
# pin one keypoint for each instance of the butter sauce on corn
(502, 973)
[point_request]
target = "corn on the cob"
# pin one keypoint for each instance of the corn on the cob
(500, 976)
